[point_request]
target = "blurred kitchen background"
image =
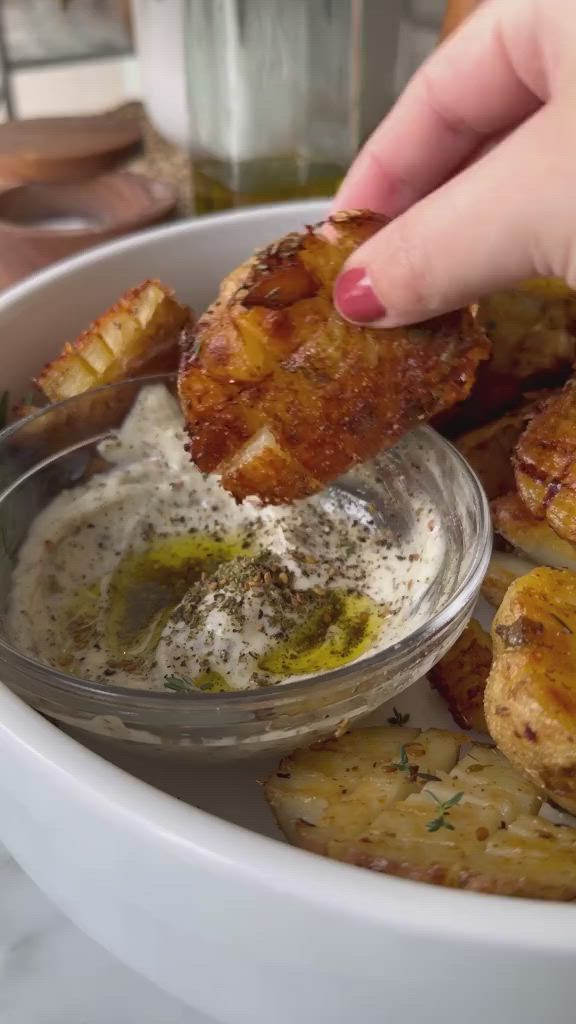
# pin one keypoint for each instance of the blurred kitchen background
(79, 56)
(237, 101)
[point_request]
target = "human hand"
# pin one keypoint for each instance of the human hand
(476, 163)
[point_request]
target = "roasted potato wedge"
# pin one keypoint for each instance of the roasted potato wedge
(138, 335)
(460, 677)
(281, 395)
(489, 449)
(503, 569)
(532, 537)
(532, 328)
(368, 799)
(546, 462)
(530, 701)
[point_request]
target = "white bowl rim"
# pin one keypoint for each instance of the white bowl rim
(410, 907)
(220, 847)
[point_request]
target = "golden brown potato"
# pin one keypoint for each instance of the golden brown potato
(530, 700)
(460, 677)
(489, 449)
(533, 332)
(546, 462)
(533, 537)
(397, 801)
(281, 395)
(138, 335)
(532, 328)
(503, 569)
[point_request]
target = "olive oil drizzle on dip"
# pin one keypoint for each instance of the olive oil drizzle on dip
(150, 576)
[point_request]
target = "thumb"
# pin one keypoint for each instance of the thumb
(504, 218)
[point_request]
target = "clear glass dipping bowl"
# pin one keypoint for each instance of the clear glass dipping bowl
(57, 448)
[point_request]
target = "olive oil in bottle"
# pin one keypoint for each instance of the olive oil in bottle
(221, 184)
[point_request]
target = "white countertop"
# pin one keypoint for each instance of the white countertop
(50, 973)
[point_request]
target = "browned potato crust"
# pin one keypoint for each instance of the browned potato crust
(546, 463)
(137, 336)
(503, 569)
(532, 536)
(398, 801)
(460, 677)
(281, 395)
(530, 701)
(489, 449)
(532, 328)
(533, 334)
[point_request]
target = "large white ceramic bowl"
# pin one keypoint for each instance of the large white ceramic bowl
(206, 901)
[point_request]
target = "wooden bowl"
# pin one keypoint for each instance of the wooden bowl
(66, 148)
(43, 223)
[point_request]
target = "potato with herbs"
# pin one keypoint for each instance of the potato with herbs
(530, 701)
(398, 801)
(281, 395)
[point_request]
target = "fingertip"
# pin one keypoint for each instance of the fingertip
(355, 297)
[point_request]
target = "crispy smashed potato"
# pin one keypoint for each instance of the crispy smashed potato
(489, 449)
(503, 569)
(530, 701)
(281, 395)
(137, 336)
(546, 462)
(368, 799)
(460, 677)
(533, 537)
(532, 328)
(533, 333)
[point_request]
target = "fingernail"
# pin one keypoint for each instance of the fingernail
(355, 297)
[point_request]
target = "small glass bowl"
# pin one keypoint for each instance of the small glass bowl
(57, 448)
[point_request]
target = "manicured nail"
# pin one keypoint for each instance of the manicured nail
(355, 297)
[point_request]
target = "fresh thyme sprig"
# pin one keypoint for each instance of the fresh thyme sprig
(444, 807)
(413, 770)
(403, 765)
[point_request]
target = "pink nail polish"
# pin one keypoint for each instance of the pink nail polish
(355, 297)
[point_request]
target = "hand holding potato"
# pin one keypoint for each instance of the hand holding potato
(476, 163)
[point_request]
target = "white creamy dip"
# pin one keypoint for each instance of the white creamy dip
(76, 583)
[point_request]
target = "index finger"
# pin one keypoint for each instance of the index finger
(481, 82)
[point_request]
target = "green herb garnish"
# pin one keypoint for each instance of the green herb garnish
(177, 684)
(397, 718)
(444, 807)
(403, 765)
